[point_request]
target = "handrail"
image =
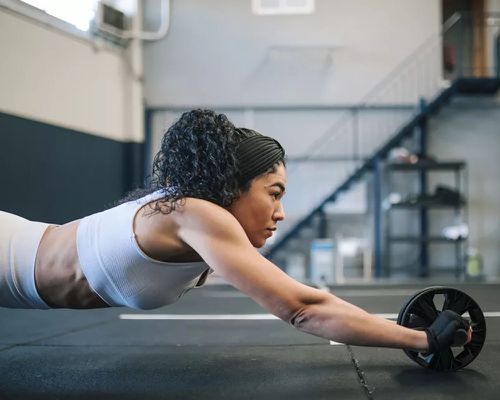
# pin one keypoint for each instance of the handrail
(451, 21)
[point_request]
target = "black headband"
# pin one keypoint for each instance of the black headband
(257, 154)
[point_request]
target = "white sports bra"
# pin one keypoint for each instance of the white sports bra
(119, 271)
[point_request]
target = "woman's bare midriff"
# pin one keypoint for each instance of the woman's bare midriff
(58, 275)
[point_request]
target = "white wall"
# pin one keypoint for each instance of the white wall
(50, 76)
(492, 6)
(218, 53)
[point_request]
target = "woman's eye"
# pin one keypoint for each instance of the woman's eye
(276, 195)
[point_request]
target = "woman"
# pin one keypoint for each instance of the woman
(214, 198)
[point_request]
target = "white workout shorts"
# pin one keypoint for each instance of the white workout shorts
(19, 240)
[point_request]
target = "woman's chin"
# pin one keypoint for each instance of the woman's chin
(258, 243)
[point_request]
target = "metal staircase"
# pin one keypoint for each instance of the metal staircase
(412, 92)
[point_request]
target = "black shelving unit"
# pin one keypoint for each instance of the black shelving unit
(422, 204)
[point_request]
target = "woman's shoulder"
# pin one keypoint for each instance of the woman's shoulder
(196, 206)
(198, 211)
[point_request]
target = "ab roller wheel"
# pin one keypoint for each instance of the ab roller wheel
(420, 311)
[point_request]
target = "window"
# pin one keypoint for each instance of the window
(282, 7)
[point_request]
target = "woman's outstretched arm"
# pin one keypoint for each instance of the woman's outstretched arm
(218, 237)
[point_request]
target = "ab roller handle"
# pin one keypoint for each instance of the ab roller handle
(460, 338)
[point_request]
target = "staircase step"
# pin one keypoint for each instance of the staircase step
(484, 86)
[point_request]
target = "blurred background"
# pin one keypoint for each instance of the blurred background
(389, 111)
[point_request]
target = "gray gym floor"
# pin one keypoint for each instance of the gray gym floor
(66, 354)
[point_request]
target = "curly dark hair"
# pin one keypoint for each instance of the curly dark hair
(197, 158)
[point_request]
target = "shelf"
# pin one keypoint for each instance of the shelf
(415, 239)
(430, 268)
(427, 165)
(449, 199)
(428, 204)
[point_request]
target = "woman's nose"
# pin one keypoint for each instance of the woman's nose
(279, 214)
